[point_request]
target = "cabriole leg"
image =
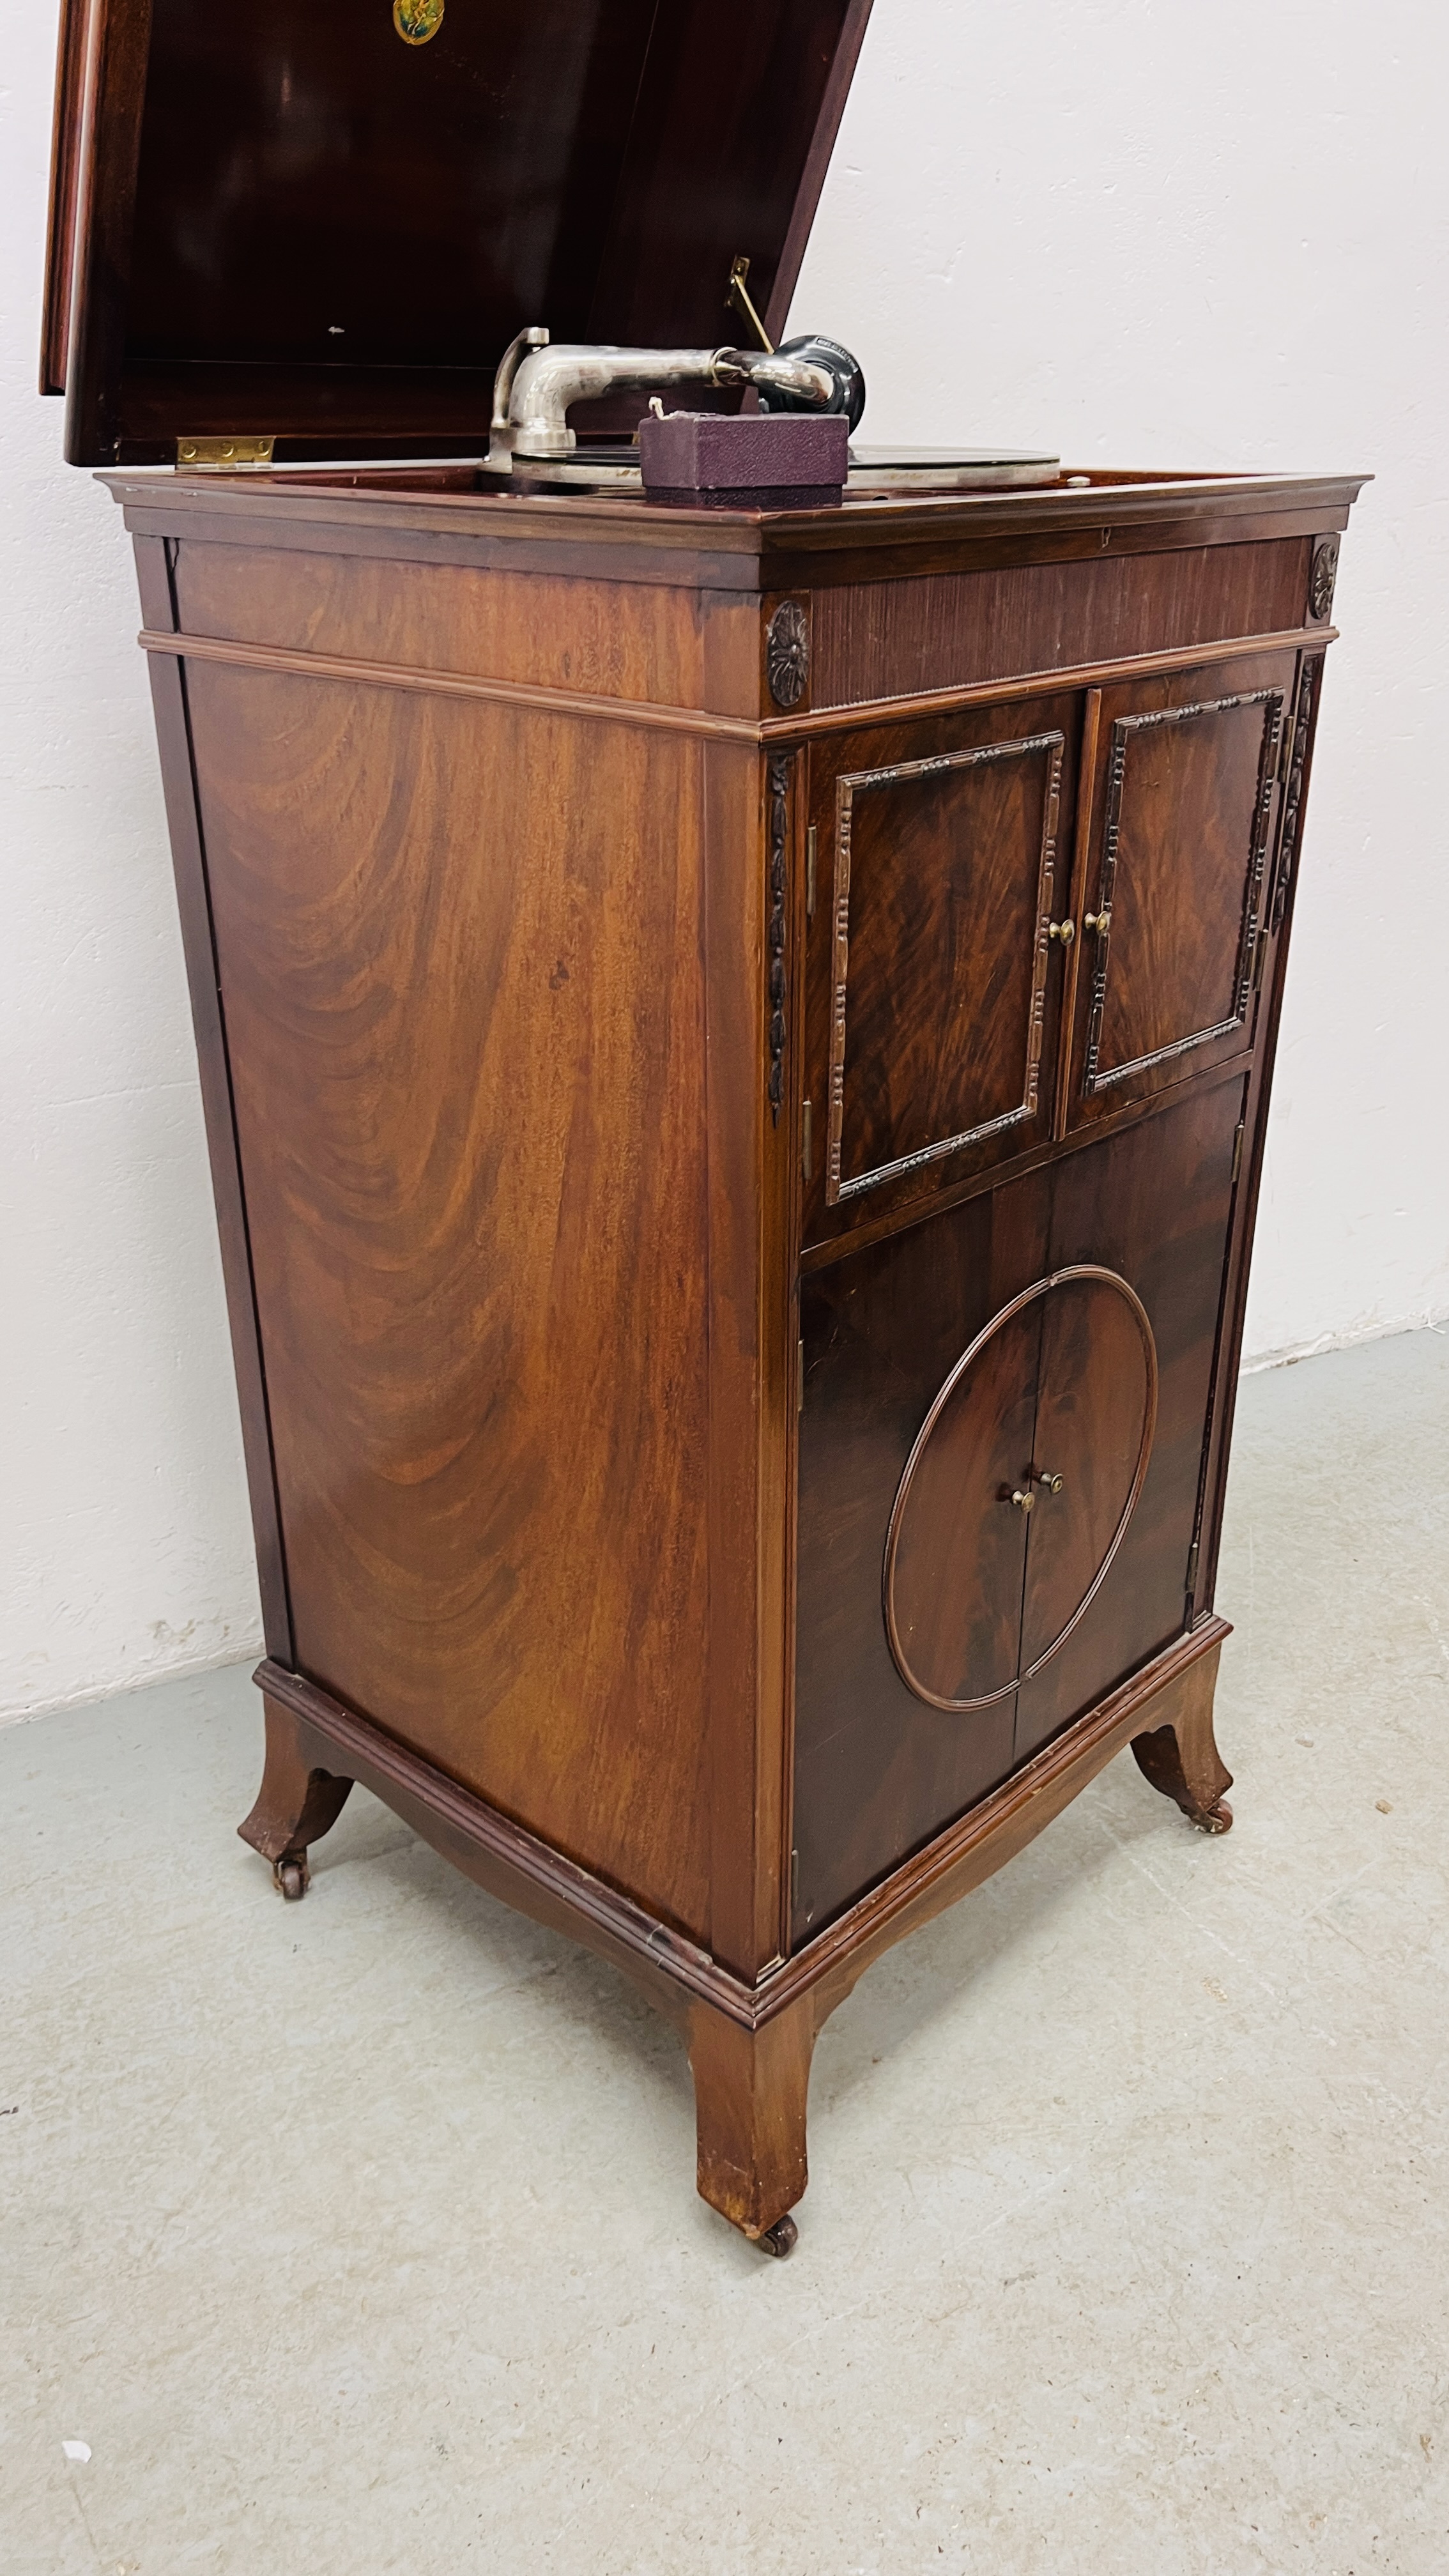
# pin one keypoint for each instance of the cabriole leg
(296, 1803)
(749, 2093)
(1181, 1757)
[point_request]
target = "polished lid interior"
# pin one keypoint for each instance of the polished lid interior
(293, 222)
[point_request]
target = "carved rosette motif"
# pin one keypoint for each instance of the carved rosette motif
(787, 653)
(775, 934)
(1322, 578)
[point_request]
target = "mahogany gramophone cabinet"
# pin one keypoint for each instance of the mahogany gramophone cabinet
(735, 1040)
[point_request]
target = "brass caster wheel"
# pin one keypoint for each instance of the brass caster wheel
(780, 2239)
(291, 1875)
(1213, 1820)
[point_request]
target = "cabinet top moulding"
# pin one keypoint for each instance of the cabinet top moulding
(438, 514)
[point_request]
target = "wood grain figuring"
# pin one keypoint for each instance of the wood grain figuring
(1092, 1435)
(64, 181)
(459, 962)
(752, 1371)
(945, 872)
(439, 514)
(1181, 1758)
(583, 1422)
(977, 1595)
(932, 987)
(955, 1552)
(640, 711)
(1153, 1203)
(1184, 800)
(750, 2089)
(1198, 802)
(992, 1832)
(339, 252)
(270, 658)
(297, 1802)
(889, 638)
(630, 640)
(877, 1771)
(671, 1970)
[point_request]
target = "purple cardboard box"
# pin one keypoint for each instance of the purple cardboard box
(755, 461)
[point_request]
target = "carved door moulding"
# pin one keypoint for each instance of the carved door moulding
(849, 788)
(779, 807)
(1308, 680)
(1107, 904)
(926, 1575)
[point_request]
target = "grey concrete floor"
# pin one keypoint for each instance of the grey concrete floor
(361, 2236)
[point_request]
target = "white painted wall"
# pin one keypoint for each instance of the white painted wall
(1142, 233)
(125, 1543)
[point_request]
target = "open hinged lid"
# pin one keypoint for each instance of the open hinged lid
(322, 223)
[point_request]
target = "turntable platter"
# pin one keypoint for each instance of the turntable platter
(600, 466)
(947, 469)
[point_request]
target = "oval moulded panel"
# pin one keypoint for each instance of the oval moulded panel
(995, 1547)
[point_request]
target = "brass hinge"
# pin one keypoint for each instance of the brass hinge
(1237, 1152)
(1192, 1565)
(807, 1140)
(222, 455)
(794, 1878)
(799, 1377)
(810, 874)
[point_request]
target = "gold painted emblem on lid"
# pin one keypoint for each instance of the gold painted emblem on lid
(417, 20)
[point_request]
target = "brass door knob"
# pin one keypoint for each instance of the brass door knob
(1050, 1484)
(1101, 921)
(1023, 1501)
(1065, 931)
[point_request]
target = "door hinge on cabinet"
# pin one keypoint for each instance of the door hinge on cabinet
(1192, 1567)
(807, 1140)
(794, 1878)
(810, 874)
(1237, 1151)
(222, 455)
(799, 1377)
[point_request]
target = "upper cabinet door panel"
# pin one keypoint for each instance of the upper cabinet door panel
(934, 984)
(1169, 901)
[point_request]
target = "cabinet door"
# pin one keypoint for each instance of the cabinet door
(1001, 1448)
(878, 1766)
(1154, 1203)
(933, 982)
(1169, 900)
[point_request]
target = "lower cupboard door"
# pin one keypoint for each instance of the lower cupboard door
(906, 1452)
(1153, 1203)
(1000, 1454)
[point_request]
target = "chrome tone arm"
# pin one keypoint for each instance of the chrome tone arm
(499, 443)
(546, 381)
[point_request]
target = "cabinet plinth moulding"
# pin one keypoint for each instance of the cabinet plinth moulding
(730, 1551)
